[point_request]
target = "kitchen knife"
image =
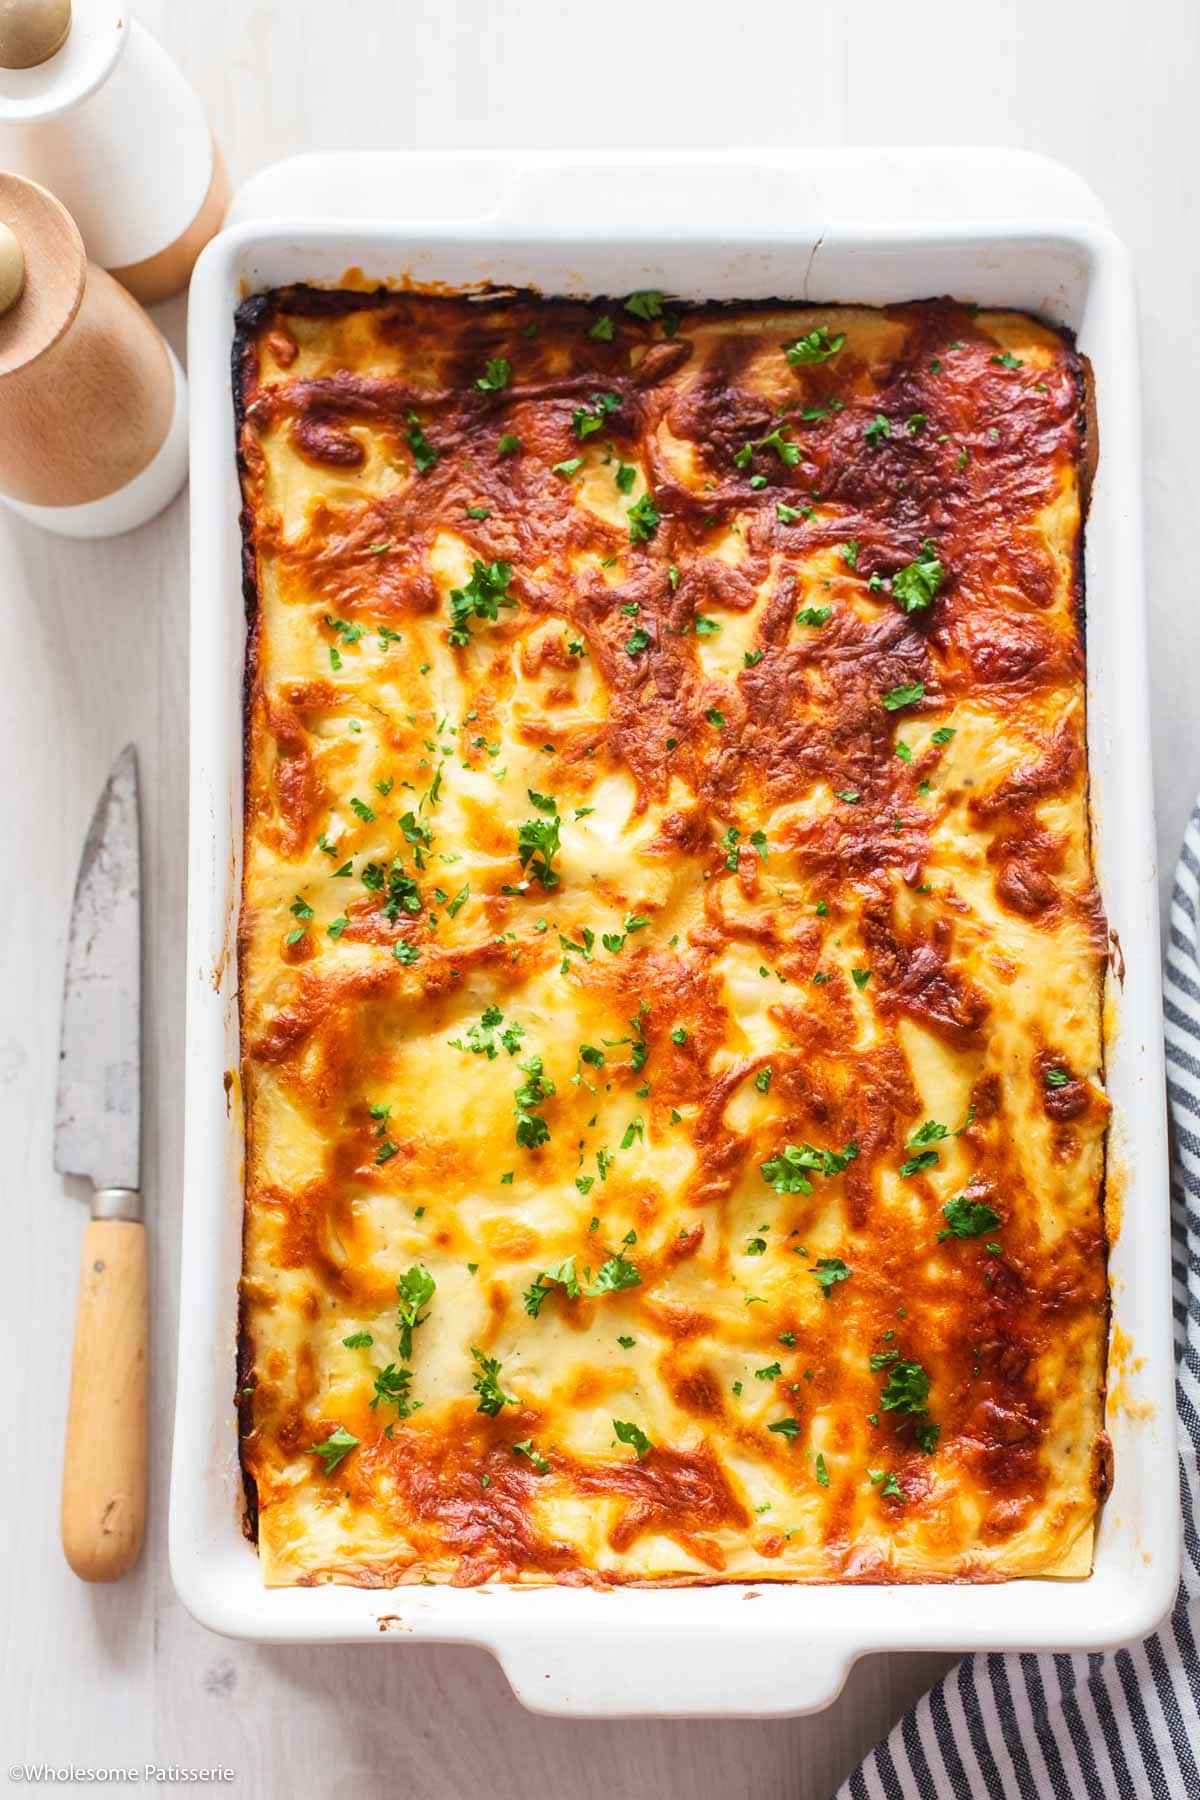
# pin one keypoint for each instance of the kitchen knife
(96, 1134)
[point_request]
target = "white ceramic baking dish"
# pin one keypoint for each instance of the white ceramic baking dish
(738, 228)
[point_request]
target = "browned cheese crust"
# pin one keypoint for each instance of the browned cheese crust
(670, 957)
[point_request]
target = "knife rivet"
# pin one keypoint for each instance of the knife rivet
(98, 1268)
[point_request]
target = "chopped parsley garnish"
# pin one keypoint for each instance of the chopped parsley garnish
(637, 641)
(931, 1132)
(485, 593)
(424, 454)
(885, 1481)
(615, 1275)
(787, 1428)
(405, 952)
(679, 1035)
(850, 554)
(337, 1446)
(787, 452)
(924, 1159)
(482, 1036)
(348, 633)
(1056, 1078)
(587, 419)
(536, 1459)
(487, 1384)
(860, 977)
(358, 1340)
(967, 1218)
(942, 735)
(393, 1387)
(538, 841)
(772, 1372)
(915, 585)
(416, 1288)
(828, 1272)
(569, 467)
(646, 304)
(907, 1392)
(850, 795)
(787, 515)
(816, 347)
(402, 892)
(562, 1275)
(715, 717)
(300, 908)
(813, 615)
(537, 1087)
(361, 810)
(878, 429)
(762, 1080)
(788, 1171)
(1008, 361)
(633, 1435)
(909, 693)
(643, 518)
(822, 1472)
(509, 444)
(706, 627)
(603, 329)
(751, 658)
(496, 375)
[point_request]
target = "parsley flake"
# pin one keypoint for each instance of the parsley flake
(633, 1435)
(335, 1449)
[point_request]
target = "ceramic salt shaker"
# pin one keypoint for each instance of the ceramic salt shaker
(93, 404)
(94, 109)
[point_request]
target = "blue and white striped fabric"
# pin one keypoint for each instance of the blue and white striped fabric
(1124, 1725)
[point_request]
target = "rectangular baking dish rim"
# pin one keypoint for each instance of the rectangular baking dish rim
(795, 1644)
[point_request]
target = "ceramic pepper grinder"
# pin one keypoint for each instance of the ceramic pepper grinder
(94, 109)
(93, 405)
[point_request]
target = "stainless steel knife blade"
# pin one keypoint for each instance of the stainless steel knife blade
(97, 1126)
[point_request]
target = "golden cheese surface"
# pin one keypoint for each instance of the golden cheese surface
(670, 959)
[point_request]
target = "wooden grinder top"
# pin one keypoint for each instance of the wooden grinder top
(55, 272)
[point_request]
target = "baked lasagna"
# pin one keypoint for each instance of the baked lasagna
(671, 965)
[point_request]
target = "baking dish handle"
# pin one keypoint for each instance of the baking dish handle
(710, 1672)
(658, 194)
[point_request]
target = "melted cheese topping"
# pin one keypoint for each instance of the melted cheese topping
(670, 957)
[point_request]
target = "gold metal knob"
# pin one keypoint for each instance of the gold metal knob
(31, 31)
(12, 268)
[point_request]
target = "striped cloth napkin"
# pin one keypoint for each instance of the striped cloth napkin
(1125, 1724)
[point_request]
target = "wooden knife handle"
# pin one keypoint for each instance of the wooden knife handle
(104, 1473)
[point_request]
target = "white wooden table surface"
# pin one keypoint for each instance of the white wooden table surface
(94, 653)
